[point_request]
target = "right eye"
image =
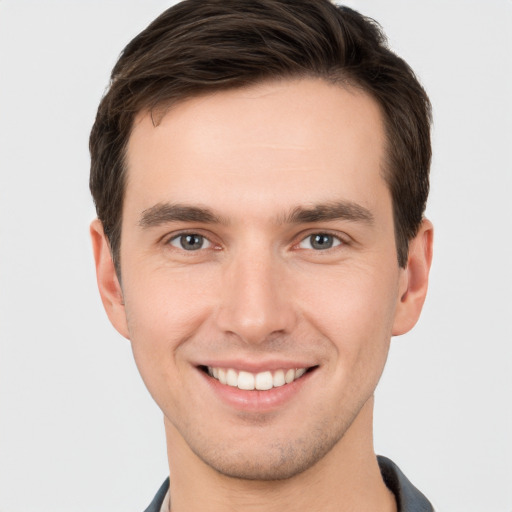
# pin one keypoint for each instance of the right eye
(190, 242)
(320, 241)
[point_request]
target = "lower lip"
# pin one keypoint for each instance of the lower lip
(254, 400)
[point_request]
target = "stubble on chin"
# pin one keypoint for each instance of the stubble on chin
(270, 458)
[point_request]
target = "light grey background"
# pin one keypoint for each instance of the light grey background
(78, 431)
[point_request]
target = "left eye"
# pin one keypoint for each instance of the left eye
(320, 241)
(190, 242)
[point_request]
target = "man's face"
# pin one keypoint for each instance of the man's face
(258, 239)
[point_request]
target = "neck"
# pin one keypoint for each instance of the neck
(346, 479)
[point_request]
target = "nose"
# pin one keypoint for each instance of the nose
(256, 303)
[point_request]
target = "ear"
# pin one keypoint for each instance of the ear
(108, 282)
(414, 280)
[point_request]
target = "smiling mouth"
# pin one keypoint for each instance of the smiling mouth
(261, 381)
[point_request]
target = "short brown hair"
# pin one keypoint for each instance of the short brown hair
(201, 46)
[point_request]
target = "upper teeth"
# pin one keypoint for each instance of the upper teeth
(260, 381)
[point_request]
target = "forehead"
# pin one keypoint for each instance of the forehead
(306, 139)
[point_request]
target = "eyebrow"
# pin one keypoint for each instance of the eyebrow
(162, 213)
(337, 210)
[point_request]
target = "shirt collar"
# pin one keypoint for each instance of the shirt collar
(408, 498)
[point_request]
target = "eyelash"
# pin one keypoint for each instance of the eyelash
(179, 236)
(337, 241)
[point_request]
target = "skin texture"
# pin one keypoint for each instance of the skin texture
(258, 294)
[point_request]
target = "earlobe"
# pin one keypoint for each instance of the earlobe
(414, 280)
(108, 283)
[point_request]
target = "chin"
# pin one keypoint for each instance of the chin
(277, 461)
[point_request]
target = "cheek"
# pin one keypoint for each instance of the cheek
(163, 309)
(159, 322)
(166, 301)
(354, 310)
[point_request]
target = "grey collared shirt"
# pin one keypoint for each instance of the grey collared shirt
(408, 498)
